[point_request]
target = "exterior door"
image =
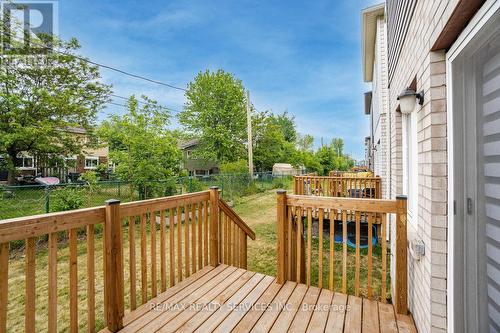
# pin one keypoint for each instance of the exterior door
(476, 114)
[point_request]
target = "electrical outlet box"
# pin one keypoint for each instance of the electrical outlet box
(418, 249)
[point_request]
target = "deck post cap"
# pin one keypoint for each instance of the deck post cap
(214, 187)
(401, 197)
(281, 191)
(112, 202)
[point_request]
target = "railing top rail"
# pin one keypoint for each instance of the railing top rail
(236, 218)
(38, 225)
(356, 204)
(138, 207)
(339, 177)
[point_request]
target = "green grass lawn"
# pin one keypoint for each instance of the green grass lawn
(258, 210)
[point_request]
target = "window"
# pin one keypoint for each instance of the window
(190, 154)
(201, 172)
(91, 162)
(410, 164)
(25, 162)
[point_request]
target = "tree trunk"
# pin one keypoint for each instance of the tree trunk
(11, 167)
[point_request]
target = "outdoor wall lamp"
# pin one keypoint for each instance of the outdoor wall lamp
(407, 100)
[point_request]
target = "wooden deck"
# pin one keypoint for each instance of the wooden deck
(230, 299)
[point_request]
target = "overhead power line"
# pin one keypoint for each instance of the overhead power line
(144, 103)
(137, 76)
(117, 104)
(111, 68)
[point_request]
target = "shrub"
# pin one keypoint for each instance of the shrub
(278, 183)
(238, 167)
(67, 198)
(89, 177)
(196, 185)
(170, 188)
(250, 189)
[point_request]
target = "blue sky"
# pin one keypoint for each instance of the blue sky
(300, 56)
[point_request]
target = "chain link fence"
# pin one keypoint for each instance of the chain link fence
(17, 201)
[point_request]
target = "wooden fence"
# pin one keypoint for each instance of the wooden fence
(189, 239)
(353, 187)
(295, 214)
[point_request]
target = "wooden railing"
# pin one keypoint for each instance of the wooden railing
(195, 230)
(233, 237)
(351, 174)
(349, 187)
(296, 215)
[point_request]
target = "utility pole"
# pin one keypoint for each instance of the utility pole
(249, 129)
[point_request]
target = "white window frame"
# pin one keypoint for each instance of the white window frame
(410, 165)
(205, 172)
(91, 158)
(70, 158)
(479, 20)
(23, 157)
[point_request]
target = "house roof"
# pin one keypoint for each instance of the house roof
(188, 144)
(369, 19)
(76, 130)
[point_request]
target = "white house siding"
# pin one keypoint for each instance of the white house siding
(380, 105)
(427, 277)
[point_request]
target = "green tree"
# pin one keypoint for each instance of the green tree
(331, 157)
(215, 112)
(43, 96)
(337, 145)
(271, 140)
(305, 143)
(141, 145)
(286, 123)
(268, 141)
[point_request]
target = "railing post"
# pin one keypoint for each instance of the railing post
(401, 292)
(214, 226)
(378, 188)
(113, 272)
(281, 218)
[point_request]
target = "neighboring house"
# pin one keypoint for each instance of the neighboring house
(376, 103)
(69, 166)
(93, 154)
(194, 165)
(444, 153)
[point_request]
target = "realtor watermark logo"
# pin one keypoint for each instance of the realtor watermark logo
(24, 23)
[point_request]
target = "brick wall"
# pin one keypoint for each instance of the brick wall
(427, 277)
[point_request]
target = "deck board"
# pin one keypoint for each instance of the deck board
(252, 317)
(218, 301)
(304, 314)
(267, 320)
(205, 300)
(336, 317)
(320, 315)
(235, 316)
(230, 299)
(285, 318)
